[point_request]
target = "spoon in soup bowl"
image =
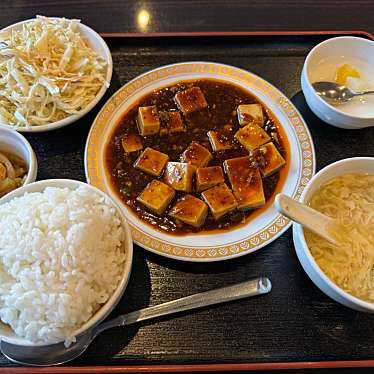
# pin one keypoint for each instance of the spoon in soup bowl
(335, 93)
(306, 216)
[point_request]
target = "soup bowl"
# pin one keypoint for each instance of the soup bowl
(321, 63)
(315, 273)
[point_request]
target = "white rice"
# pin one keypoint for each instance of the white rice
(61, 258)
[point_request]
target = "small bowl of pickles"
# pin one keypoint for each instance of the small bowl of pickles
(18, 164)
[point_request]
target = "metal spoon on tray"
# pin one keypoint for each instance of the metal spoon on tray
(308, 217)
(335, 93)
(56, 354)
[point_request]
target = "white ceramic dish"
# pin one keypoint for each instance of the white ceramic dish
(6, 333)
(261, 230)
(13, 142)
(321, 64)
(349, 165)
(97, 43)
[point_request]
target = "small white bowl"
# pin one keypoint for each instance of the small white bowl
(6, 333)
(319, 278)
(342, 49)
(13, 142)
(97, 43)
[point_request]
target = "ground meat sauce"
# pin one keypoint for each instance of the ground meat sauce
(220, 115)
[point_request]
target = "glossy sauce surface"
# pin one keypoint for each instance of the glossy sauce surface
(220, 115)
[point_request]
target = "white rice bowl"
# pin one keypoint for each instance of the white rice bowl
(61, 259)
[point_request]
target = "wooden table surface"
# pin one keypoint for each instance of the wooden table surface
(202, 15)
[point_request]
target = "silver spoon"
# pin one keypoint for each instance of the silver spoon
(308, 217)
(56, 354)
(335, 93)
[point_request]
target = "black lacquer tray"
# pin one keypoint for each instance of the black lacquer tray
(296, 325)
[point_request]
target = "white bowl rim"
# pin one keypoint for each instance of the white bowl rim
(306, 64)
(116, 296)
(33, 164)
(70, 119)
(300, 232)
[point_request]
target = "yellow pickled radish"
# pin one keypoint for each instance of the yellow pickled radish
(345, 71)
(3, 172)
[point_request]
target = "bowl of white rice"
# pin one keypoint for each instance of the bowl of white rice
(65, 260)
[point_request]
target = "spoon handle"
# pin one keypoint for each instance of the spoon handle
(364, 93)
(237, 291)
(306, 216)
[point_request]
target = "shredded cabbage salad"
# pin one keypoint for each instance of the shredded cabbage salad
(47, 72)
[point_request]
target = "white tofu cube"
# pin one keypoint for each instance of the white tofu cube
(191, 100)
(208, 177)
(156, 196)
(252, 136)
(151, 161)
(171, 123)
(148, 121)
(219, 141)
(220, 200)
(175, 123)
(273, 159)
(179, 176)
(190, 210)
(196, 155)
(131, 143)
(250, 113)
(246, 182)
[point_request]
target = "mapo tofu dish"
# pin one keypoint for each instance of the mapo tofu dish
(197, 156)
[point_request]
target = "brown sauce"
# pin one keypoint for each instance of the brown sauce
(223, 99)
